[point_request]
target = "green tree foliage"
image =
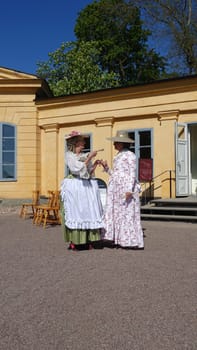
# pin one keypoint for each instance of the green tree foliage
(73, 68)
(117, 27)
(111, 50)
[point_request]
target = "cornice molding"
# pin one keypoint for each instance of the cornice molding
(10, 74)
(168, 115)
(108, 121)
(51, 127)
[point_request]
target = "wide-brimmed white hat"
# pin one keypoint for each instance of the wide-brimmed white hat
(121, 136)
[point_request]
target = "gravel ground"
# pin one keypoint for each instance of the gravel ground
(103, 299)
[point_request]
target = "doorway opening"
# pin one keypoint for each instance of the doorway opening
(193, 158)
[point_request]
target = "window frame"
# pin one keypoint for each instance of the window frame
(137, 146)
(3, 179)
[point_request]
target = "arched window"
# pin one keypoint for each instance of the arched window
(7, 152)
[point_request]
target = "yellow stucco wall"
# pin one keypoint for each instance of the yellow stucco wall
(156, 106)
(23, 116)
(43, 123)
(17, 107)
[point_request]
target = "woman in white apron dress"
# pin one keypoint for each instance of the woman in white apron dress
(81, 204)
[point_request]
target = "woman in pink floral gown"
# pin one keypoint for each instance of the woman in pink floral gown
(122, 222)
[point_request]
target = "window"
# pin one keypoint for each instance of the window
(7, 152)
(87, 147)
(142, 147)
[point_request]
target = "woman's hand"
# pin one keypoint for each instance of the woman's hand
(90, 156)
(104, 164)
(97, 162)
(128, 196)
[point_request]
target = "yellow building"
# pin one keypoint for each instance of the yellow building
(160, 116)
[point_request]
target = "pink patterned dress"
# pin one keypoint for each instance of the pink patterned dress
(122, 222)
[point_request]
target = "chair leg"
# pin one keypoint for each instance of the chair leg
(22, 211)
(40, 216)
(35, 215)
(45, 216)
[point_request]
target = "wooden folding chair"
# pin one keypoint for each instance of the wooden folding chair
(40, 207)
(28, 209)
(50, 213)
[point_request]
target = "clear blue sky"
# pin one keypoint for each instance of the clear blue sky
(29, 30)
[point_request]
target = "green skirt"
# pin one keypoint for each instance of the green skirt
(77, 236)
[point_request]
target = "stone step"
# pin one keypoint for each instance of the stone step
(191, 202)
(168, 217)
(177, 209)
(152, 208)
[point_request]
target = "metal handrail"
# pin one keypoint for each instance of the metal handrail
(170, 171)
